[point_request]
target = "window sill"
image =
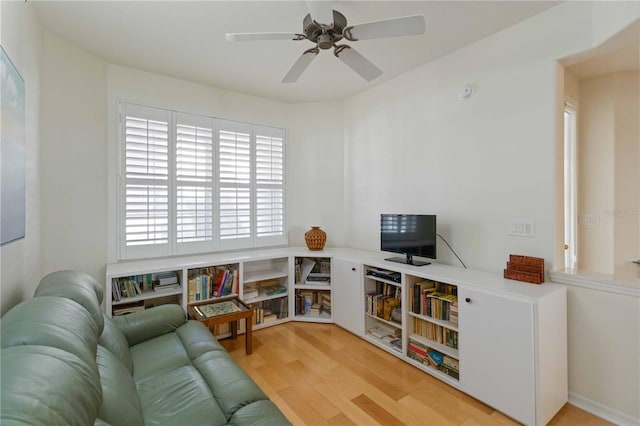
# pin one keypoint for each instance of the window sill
(596, 281)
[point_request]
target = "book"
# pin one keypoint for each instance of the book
(318, 278)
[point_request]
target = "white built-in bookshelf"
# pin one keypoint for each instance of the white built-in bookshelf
(503, 342)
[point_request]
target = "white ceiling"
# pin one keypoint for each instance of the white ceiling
(185, 39)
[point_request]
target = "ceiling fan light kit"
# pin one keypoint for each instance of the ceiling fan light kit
(326, 27)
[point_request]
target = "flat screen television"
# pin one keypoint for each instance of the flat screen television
(410, 235)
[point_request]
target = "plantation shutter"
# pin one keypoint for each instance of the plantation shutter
(145, 177)
(234, 177)
(194, 183)
(270, 186)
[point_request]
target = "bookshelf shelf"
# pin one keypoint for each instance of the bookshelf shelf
(147, 295)
(212, 282)
(265, 287)
(383, 321)
(132, 292)
(322, 317)
(382, 302)
(434, 372)
(313, 296)
(313, 286)
(435, 345)
(264, 298)
(441, 323)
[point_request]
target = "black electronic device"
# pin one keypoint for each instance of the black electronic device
(386, 275)
(408, 234)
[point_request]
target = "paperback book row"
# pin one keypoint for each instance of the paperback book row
(436, 300)
(135, 285)
(313, 302)
(427, 356)
(269, 311)
(436, 333)
(313, 271)
(384, 300)
(206, 283)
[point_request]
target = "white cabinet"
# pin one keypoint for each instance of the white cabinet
(347, 295)
(497, 352)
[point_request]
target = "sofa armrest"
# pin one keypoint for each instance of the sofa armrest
(144, 325)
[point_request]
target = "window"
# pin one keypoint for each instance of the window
(195, 184)
(570, 188)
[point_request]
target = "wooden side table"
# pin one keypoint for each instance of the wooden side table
(225, 310)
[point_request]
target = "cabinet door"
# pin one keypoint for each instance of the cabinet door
(348, 305)
(496, 343)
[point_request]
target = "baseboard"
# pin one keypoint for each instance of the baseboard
(600, 410)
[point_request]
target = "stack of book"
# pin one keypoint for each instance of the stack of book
(271, 288)
(128, 308)
(325, 300)
(166, 281)
(315, 309)
(318, 278)
(249, 292)
(525, 268)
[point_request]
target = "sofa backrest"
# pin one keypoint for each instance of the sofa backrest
(48, 360)
(54, 322)
(44, 385)
(77, 286)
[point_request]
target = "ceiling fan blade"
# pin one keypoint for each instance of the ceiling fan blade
(261, 36)
(358, 63)
(396, 27)
(321, 11)
(301, 64)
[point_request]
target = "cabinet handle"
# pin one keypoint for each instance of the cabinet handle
(467, 299)
(353, 269)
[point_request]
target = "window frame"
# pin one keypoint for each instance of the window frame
(216, 243)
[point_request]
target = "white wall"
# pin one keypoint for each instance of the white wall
(609, 160)
(20, 260)
(626, 212)
(73, 166)
(412, 146)
(316, 168)
(596, 148)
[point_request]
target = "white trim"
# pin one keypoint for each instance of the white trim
(602, 411)
(594, 282)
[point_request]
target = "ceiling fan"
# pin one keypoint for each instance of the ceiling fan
(326, 27)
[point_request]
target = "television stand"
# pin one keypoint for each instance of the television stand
(408, 260)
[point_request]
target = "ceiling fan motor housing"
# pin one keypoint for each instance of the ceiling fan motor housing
(325, 36)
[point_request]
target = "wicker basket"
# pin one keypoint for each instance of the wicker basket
(315, 238)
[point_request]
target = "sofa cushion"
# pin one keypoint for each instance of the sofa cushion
(259, 413)
(47, 386)
(52, 321)
(120, 403)
(231, 385)
(113, 339)
(197, 339)
(178, 397)
(158, 356)
(77, 286)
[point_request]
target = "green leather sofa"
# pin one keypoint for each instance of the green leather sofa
(64, 363)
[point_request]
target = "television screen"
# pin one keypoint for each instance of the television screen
(409, 234)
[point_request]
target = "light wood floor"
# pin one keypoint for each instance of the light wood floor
(320, 374)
